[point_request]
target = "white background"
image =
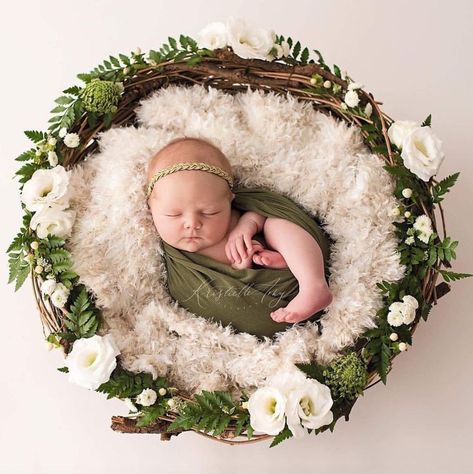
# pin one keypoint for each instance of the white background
(416, 58)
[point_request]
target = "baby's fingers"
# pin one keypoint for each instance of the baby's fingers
(241, 249)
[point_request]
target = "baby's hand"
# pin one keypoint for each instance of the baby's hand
(239, 245)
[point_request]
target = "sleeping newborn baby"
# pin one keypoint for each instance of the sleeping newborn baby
(192, 211)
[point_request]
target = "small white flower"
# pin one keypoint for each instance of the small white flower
(52, 158)
(34, 245)
(53, 220)
(422, 153)
(327, 84)
(393, 336)
(396, 315)
(410, 240)
(411, 301)
(126, 70)
(354, 85)
(72, 140)
(424, 237)
(147, 397)
(131, 406)
(407, 192)
(407, 214)
(48, 287)
(162, 391)
(351, 98)
(399, 130)
(46, 187)
(244, 405)
(92, 361)
(38, 269)
(62, 133)
(282, 50)
(402, 346)
(52, 141)
(213, 36)
(423, 223)
(171, 403)
(137, 51)
(395, 211)
(60, 295)
(368, 109)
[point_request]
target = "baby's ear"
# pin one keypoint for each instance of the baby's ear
(233, 196)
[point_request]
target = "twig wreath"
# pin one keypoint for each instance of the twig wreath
(230, 57)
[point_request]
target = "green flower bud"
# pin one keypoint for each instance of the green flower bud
(346, 377)
(101, 96)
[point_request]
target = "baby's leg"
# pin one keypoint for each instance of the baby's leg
(305, 260)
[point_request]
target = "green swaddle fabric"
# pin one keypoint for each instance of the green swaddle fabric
(245, 297)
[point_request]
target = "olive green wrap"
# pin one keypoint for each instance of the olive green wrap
(245, 297)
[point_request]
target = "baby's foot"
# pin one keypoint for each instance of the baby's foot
(302, 307)
(269, 258)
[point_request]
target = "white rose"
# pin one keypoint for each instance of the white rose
(248, 41)
(147, 397)
(351, 98)
(52, 158)
(46, 187)
(92, 361)
(266, 407)
(60, 295)
(396, 315)
(71, 140)
(422, 153)
(213, 36)
(308, 405)
(399, 130)
(53, 220)
(48, 287)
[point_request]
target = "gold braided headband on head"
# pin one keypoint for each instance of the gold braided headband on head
(189, 166)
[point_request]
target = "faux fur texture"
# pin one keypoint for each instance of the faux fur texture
(271, 140)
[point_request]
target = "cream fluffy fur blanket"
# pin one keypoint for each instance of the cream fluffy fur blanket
(271, 140)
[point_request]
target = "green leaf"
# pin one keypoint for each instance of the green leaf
(35, 135)
(313, 370)
(286, 433)
(172, 42)
(384, 361)
(305, 55)
(443, 187)
(296, 50)
(64, 100)
(453, 276)
(427, 121)
(150, 414)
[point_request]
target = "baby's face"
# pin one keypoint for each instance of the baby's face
(191, 204)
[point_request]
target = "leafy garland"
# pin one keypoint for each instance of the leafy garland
(215, 412)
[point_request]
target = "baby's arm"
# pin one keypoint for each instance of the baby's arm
(240, 248)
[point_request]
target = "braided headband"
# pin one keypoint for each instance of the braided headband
(189, 166)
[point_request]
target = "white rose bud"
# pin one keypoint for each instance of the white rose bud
(351, 98)
(38, 269)
(395, 212)
(327, 84)
(407, 192)
(137, 51)
(171, 403)
(52, 141)
(62, 133)
(402, 346)
(393, 336)
(162, 391)
(313, 81)
(126, 70)
(52, 158)
(407, 214)
(34, 245)
(368, 109)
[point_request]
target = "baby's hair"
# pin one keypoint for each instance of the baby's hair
(222, 159)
